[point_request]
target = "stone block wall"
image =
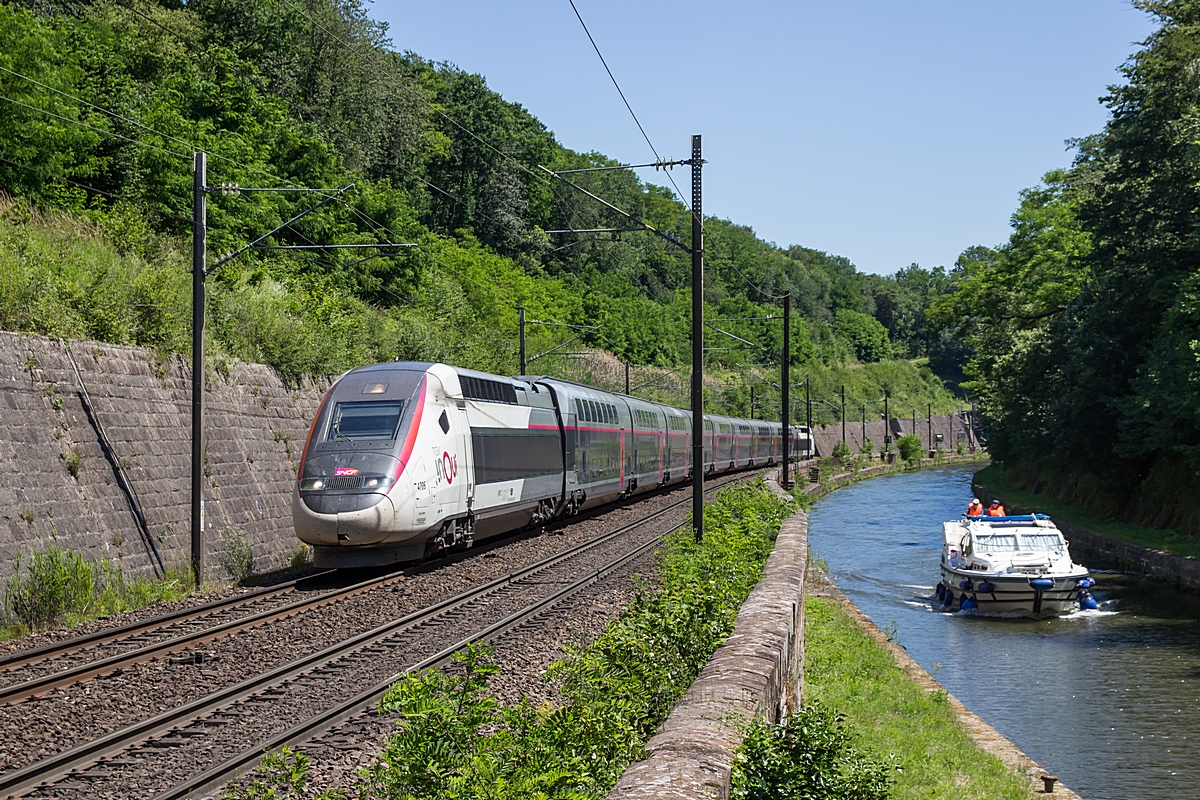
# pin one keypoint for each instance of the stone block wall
(56, 483)
(750, 675)
(953, 427)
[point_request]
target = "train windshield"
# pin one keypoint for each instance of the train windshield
(357, 422)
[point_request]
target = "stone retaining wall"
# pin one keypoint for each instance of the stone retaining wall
(748, 676)
(954, 428)
(1170, 567)
(56, 484)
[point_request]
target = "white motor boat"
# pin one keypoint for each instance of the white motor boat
(1014, 566)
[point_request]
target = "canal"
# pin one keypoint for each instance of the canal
(1106, 700)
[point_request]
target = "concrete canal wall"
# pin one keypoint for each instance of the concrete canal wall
(57, 484)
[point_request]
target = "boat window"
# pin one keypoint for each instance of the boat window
(996, 543)
(358, 422)
(1041, 541)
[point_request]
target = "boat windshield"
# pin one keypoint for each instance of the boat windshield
(996, 543)
(1042, 541)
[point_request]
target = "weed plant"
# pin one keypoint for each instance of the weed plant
(48, 587)
(57, 587)
(809, 756)
(237, 556)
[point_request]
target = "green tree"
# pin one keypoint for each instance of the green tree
(865, 334)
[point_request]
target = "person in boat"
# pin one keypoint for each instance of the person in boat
(975, 509)
(996, 510)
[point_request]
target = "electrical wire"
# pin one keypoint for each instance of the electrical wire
(84, 186)
(97, 130)
(626, 102)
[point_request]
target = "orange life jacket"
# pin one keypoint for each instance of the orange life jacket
(975, 510)
(996, 511)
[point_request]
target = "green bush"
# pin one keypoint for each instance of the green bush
(237, 556)
(49, 588)
(868, 447)
(57, 586)
(910, 446)
(809, 756)
(842, 451)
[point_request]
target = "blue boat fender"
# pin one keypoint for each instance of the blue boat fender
(1086, 583)
(1042, 584)
(968, 604)
(987, 587)
(966, 585)
(1087, 602)
(949, 601)
(941, 593)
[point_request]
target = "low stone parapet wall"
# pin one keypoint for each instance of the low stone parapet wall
(755, 673)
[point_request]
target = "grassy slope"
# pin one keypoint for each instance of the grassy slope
(995, 478)
(847, 671)
(64, 276)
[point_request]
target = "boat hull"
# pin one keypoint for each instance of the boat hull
(1013, 595)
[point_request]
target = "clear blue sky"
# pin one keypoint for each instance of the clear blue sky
(887, 132)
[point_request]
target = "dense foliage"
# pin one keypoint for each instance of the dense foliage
(105, 101)
(59, 587)
(811, 755)
(1086, 324)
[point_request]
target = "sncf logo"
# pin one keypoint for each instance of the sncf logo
(344, 471)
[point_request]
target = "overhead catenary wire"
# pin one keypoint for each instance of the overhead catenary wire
(85, 187)
(626, 102)
(183, 156)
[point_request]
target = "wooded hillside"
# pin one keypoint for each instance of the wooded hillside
(105, 102)
(1085, 325)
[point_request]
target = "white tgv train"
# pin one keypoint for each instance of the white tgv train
(405, 459)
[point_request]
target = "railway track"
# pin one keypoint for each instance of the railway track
(32, 673)
(320, 688)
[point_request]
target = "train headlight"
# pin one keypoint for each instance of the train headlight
(376, 483)
(312, 484)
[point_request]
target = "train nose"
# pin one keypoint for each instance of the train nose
(365, 519)
(376, 523)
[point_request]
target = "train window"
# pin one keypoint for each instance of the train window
(355, 422)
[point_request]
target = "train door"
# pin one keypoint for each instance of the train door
(450, 462)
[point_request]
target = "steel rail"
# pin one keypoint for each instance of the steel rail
(231, 768)
(20, 692)
(33, 655)
(61, 764)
